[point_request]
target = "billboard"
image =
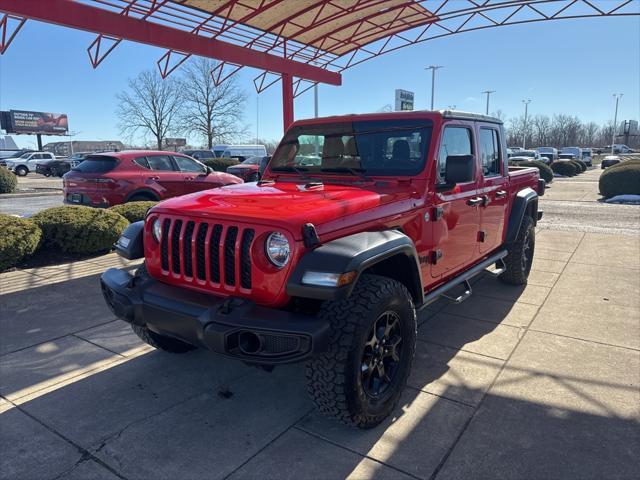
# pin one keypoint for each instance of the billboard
(22, 121)
(175, 142)
(404, 100)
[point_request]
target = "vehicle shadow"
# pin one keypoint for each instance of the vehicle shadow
(199, 415)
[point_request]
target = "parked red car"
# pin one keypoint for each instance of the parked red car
(111, 178)
(251, 169)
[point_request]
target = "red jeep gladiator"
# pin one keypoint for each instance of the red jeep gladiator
(358, 222)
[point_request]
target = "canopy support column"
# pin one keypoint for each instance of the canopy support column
(287, 100)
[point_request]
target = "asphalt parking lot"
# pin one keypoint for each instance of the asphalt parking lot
(536, 382)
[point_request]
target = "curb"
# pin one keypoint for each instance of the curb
(29, 194)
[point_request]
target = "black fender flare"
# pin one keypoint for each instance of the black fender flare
(357, 253)
(130, 244)
(524, 202)
(143, 191)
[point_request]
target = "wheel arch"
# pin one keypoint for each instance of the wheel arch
(388, 253)
(150, 194)
(525, 202)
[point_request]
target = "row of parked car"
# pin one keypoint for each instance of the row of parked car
(550, 154)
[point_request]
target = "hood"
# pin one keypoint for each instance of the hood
(290, 205)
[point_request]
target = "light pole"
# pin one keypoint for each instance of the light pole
(524, 132)
(487, 93)
(257, 116)
(433, 69)
(615, 120)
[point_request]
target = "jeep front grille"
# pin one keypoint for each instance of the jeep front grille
(207, 253)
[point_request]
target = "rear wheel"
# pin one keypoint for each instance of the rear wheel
(21, 171)
(360, 378)
(520, 256)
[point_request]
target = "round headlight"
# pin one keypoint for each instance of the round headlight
(277, 248)
(156, 230)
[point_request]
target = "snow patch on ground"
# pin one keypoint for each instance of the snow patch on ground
(625, 199)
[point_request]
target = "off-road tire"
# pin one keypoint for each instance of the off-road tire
(334, 379)
(21, 171)
(161, 342)
(518, 268)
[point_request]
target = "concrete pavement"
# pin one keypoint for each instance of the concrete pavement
(533, 382)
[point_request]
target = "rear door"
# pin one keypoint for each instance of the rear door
(494, 188)
(455, 217)
(164, 177)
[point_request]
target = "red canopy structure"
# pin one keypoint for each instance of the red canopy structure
(299, 42)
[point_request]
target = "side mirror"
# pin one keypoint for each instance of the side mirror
(209, 170)
(460, 168)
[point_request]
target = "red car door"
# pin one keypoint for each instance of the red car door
(455, 215)
(164, 177)
(194, 174)
(494, 189)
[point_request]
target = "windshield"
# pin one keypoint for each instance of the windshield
(218, 153)
(524, 153)
(25, 155)
(397, 147)
(97, 164)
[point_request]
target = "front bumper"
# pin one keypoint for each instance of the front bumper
(230, 326)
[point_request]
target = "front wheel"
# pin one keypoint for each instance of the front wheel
(360, 378)
(520, 254)
(21, 171)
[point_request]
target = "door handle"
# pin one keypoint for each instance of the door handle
(188, 178)
(475, 201)
(501, 194)
(154, 178)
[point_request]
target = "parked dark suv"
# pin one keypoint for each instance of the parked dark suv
(107, 179)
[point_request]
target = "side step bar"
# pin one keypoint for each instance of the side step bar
(464, 278)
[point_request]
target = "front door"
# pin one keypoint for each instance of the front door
(494, 189)
(455, 213)
(194, 174)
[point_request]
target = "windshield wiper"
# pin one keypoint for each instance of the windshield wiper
(360, 172)
(299, 170)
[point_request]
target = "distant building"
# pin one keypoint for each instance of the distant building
(65, 148)
(7, 143)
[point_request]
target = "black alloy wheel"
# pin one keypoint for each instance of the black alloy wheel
(382, 354)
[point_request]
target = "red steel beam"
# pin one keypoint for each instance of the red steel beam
(287, 100)
(69, 13)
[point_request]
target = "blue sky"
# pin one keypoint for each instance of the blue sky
(565, 66)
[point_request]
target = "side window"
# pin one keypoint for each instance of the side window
(489, 152)
(142, 161)
(187, 165)
(160, 162)
(455, 141)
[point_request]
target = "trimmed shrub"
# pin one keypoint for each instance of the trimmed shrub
(563, 167)
(76, 229)
(8, 181)
(583, 165)
(220, 164)
(576, 164)
(133, 211)
(621, 179)
(19, 240)
(545, 172)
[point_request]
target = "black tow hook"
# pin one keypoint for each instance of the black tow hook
(229, 304)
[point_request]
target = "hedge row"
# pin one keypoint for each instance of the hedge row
(19, 240)
(545, 172)
(68, 229)
(8, 181)
(220, 164)
(621, 179)
(567, 168)
(133, 211)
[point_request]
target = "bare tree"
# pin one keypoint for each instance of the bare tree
(590, 133)
(541, 129)
(150, 105)
(212, 113)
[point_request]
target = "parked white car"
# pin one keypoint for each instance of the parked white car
(26, 163)
(242, 152)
